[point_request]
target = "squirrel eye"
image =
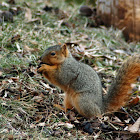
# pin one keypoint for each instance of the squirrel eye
(52, 53)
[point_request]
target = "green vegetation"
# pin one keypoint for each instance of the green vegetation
(26, 99)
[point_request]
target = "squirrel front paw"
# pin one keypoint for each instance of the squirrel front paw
(42, 68)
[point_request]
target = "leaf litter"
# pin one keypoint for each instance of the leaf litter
(27, 100)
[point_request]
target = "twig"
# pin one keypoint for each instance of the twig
(128, 114)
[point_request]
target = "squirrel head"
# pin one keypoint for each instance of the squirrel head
(55, 55)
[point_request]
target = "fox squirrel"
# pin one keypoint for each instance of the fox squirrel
(81, 84)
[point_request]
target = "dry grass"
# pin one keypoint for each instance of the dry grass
(26, 99)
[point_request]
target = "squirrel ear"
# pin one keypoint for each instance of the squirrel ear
(64, 50)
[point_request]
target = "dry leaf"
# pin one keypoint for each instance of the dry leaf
(33, 42)
(28, 49)
(34, 20)
(69, 125)
(41, 124)
(135, 127)
(18, 47)
(134, 101)
(28, 14)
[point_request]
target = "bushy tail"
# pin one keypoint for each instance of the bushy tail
(119, 91)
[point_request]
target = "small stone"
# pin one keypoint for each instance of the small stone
(7, 16)
(85, 11)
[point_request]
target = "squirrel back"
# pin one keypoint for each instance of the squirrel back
(81, 84)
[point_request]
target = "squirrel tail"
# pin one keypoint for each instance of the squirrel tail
(120, 89)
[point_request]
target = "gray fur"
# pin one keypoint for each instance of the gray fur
(86, 84)
(84, 80)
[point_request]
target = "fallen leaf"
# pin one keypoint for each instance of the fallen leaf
(41, 124)
(134, 101)
(34, 20)
(28, 14)
(135, 127)
(18, 47)
(33, 42)
(28, 49)
(69, 125)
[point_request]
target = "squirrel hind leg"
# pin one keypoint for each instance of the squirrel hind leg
(67, 103)
(86, 107)
(90, 111)
(59, 107)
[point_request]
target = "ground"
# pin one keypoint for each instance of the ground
(27, 100)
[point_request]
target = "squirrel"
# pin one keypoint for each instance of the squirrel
(82, 85)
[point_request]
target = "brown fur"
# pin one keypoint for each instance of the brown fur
(120, 90)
